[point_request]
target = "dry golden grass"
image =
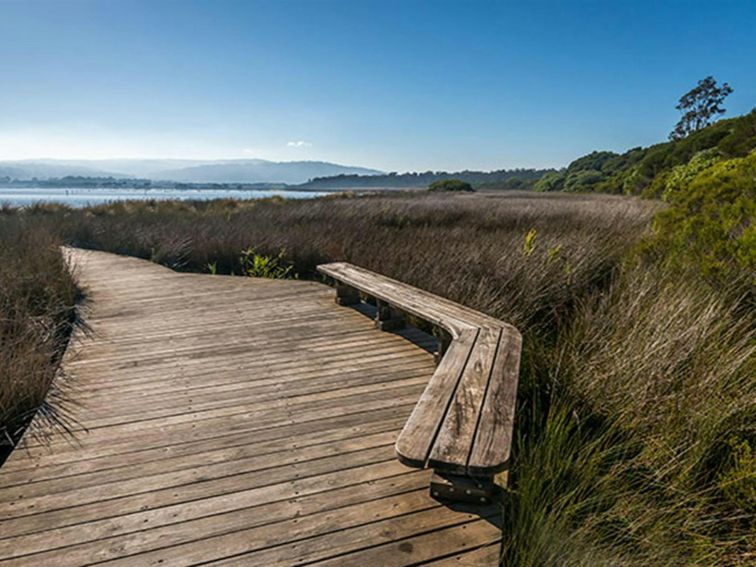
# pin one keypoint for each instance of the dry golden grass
(470, 248)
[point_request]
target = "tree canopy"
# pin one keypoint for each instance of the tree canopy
(450, 185)
(699, 106)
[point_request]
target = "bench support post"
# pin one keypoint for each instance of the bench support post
(444, 340)
(346, 295)
(461, 488)
(386, 317)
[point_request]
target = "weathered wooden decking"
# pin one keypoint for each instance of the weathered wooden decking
(235, 421)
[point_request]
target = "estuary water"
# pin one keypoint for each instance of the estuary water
(85, 196)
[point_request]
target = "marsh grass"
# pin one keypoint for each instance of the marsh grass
(642, 452)
(465, 247)
(635, 420)
(37, 299)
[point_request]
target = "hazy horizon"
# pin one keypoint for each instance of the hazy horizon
(394, 86)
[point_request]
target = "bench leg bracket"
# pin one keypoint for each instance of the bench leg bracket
(461, 488)
(346, 295)
(387, 318)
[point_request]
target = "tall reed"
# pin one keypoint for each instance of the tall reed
(37, 299)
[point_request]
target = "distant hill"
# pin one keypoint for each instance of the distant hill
(46, 169)
(259, 171)
(501, 179)
(188, 171)
(305, 174)
(650, 171)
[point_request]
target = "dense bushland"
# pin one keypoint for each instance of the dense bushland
(708, 179)
(647, 171)
(37, 299)
(710, 224)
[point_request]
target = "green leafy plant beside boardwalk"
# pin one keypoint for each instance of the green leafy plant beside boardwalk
(256, 265)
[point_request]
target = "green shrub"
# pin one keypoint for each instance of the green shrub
(584, 180)
(553, 181)
(255, 265)
(710, 224)
(638, 171)
(450, 185)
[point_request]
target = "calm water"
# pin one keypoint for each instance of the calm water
(83, 197)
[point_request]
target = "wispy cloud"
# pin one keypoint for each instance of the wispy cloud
(299, 144)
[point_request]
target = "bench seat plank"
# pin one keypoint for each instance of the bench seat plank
(455, 438)
(425, 305)
(491, 449)
(462, 423)
(415, 442)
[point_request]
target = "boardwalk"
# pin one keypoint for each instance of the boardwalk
(232, 421)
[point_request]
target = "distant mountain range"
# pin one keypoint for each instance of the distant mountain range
(188, 171)
(503, 179)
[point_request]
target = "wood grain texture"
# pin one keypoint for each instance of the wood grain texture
(457, 432)
(493, 442)
(226, 419)
(416, 441)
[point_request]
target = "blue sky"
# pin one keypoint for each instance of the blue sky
(401, 86)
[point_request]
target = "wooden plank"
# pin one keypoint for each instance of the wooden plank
(291, 436)
(454, 441)
(226, 416)
(416, 302)
(430, 526)
(213, 399)
(242, 411)
(129, 536)
(487, 556)
(204, 377)
(333, 522)
(187, 433)
(491, 448)
(415, 442)
(425, 548)
(399, 293)
(68, 512)
(206, 466)
(154, 525)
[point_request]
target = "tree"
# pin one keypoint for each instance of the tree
(450, 185)
(699, 106)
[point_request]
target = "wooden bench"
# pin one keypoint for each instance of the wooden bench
(462, 424)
